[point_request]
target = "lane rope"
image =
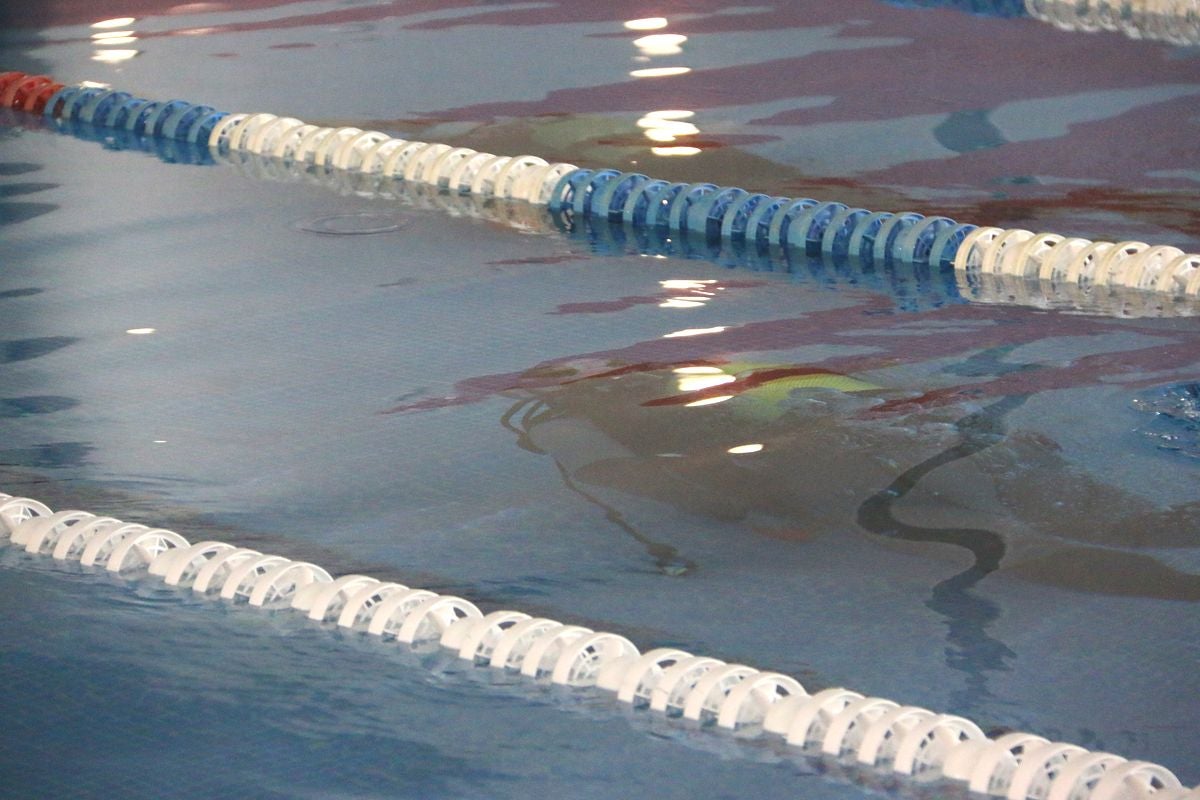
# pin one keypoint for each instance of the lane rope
(1174, 21)
(869, 733)
(716, 214)
(913, 287)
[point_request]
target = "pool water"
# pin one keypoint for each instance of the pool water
(984, 508)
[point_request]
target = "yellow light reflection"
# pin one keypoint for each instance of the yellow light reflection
(140, 331)
(745, 448)
(114, 56)
(708, 401)
(659, 72)
(679, 302)
(698, 371)
(116, 40)
(117, 22)
(646, 24)
(695, 383)
(684, 283)
(693, 332)
(675, 151)
(660, 44)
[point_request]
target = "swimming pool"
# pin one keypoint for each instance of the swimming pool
(443, 401)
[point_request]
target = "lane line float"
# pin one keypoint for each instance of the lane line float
(872, 733)
(697, 210)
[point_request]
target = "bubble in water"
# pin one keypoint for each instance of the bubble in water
(356, 224)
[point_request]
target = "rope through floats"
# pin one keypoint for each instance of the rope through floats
(1174, 21)
(697, 210)
(871, 733)
(914, 286)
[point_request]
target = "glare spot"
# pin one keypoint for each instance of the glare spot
(140, 331)
(684, 283)
(679, 302)
(116, 40)
(665, 130)
(104, 36)
(657, 135)
(660, 44)
(671, 113)
(698, 371)
(196, 8)
(114, 56)
(117, 22)
(741, 449)
(693, 332)
(160, 441)
(708, 401)
(659, 72)
(696, 383)
(675, 151)
(646, 24)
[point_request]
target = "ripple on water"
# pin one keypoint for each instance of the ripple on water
(356, 224)
(1174, 422)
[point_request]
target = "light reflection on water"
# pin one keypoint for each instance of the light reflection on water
(934, 451)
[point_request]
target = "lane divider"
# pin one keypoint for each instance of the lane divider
(1173, 21)
(872, 733)
(913, 286)
(716, 214)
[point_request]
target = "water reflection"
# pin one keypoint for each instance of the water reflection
(797, 452)
(109, 40)
(646, 24)
(660, 44)
(114, 56)
(25, 349)
(54, 455)
(528, 412)
(1173, 413)
(662, 126)
(970, 649)
(695, 332)
(9, 293)
(659, 72)
(116, 22)
(667, 125)
(11, 407)
(12, 213)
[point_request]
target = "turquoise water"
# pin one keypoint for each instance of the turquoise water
(970, 507)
